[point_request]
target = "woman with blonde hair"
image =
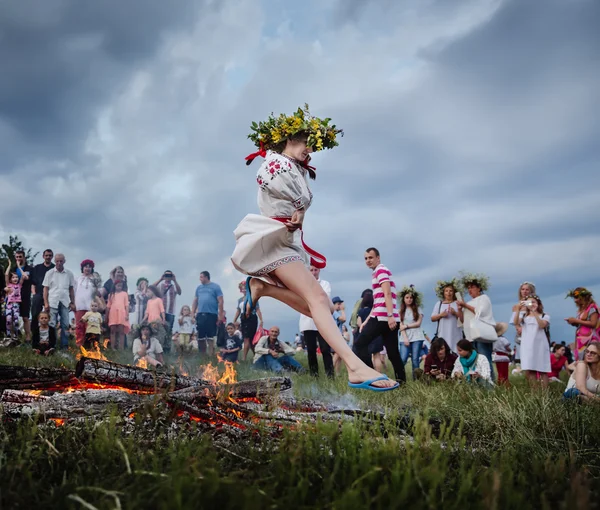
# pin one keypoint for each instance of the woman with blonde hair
(585, 382)
(535, 346)
(586, 322)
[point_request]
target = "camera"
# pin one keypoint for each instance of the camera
(527, 303)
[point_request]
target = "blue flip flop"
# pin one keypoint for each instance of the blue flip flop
(248, 300)
(368, 385)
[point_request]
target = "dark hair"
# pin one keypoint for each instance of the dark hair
(413, 307)
(230, 324)
(375, 250)
(48, 250)
(465, 345)
(437, 344)
(155, 290)
(22, 252)
(365, 292)
(300, 136)
(206, 274)
(143, 326)
(539, 303)
(367, 301)
(558, 346)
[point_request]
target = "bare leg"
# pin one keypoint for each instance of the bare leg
(27, 327)
(259, 288)
(121, 337)
(377, 365)
(113, 335)
(298, 280)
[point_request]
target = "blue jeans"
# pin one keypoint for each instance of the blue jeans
(571, 394)
(61, 312)
(485, 349)
(414, 351)
(277, 365)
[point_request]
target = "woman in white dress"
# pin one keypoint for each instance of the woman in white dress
(481, 307)
(526, 289)
(447, 313)
(270, 247)
(535, 347)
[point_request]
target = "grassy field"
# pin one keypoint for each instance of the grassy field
(504, 448)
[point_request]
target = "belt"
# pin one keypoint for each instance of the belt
(316, 259)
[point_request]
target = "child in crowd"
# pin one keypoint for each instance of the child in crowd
(13, 301)
(43, 338)
(231, 344)
(146, 347)
(117, 311)
(501, 356)
(155, 315)
(155, 309)
(186, 328)
(93, 328)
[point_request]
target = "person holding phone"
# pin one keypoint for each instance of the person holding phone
(440, 360)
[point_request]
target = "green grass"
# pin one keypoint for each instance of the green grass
(504, 448)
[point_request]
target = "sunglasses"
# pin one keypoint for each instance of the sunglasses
(594, 353)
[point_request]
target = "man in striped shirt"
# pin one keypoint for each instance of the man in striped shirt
(384, 317)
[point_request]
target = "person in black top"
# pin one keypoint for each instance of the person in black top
(37, 289)
(24, 271)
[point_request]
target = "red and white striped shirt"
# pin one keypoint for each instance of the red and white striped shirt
(383, 274)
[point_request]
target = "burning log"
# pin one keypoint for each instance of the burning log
(77, 404)
(101, 371)
(33, 378)
(258, 388)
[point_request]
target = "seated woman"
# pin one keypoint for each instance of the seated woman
(585, 382)
(470, 365)
(147, 348)
(440, 360)
(43, 340)
(558, 361)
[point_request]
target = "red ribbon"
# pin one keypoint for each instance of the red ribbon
(316, 259)
(260, 152)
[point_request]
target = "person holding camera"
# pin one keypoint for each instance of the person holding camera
(535, 346)
(526, 289)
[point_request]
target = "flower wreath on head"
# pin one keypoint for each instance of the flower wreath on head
(417, 296)
(442, 284)
(578, 292)
(268, 134)
(479, 279)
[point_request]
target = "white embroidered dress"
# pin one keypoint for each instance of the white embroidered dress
(262, 243)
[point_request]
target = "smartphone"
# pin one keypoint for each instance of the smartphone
(434, 367)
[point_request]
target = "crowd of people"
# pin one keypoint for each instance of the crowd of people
(384, 324)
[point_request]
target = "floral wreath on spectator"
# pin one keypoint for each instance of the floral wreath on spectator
(140, 280)
(87, 262)
(136, 329)
(269, 134)
(442, 284)
(479, 279)
(417, 296)
(578, 292)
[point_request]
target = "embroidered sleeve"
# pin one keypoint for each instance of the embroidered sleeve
(278, 177)
(483, 367)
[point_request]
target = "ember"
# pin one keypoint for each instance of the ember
(97, 386)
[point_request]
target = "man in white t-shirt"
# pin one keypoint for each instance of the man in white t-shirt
(384, 317)
(59, 296)
(312, 335)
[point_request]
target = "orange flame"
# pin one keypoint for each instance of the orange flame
(58, 421)
(142, 363)
(94, 353)
(210, 373)
(106, 342)
(230, 376)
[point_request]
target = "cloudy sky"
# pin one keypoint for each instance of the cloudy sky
(471, 139)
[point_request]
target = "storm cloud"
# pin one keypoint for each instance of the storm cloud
(470, 142)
